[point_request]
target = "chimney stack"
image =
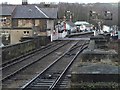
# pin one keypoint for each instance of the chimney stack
(24, 2)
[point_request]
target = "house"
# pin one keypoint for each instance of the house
(69, 26)
(26, 20)
(6, 13)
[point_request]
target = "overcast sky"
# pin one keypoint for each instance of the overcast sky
(70, 1)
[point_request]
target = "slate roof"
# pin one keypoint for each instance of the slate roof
(51, 12)
(29, 11)
(6, 9)
(33, 11)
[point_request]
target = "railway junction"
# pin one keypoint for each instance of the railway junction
(41, 50)
(79, 61)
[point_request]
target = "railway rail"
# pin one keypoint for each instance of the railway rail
(17, 74)
(27, 55)
(51, 75)
(36, 52)
(15, 67)
(64, 81)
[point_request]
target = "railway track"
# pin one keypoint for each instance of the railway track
(64, 81)
(31, 54)
(27, 55)
(49, 78)
(10, 80)
(12, 68)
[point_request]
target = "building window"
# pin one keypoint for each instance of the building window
(5, 22)
(41, 25)
(25, 23)
(26, 32)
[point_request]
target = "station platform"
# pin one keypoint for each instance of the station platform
(73, 38)
(81, 33)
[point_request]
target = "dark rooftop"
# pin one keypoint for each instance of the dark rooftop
(51, 12)
(6, 9)
(29, 11)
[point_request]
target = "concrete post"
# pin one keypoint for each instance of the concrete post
(95, 33)
(51, 37)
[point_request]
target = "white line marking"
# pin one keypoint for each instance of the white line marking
(41, 11)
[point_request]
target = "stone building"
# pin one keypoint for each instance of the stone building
(26, 20)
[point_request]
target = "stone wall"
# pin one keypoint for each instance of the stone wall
(95, 76)
(13, 51)
(16, 50)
